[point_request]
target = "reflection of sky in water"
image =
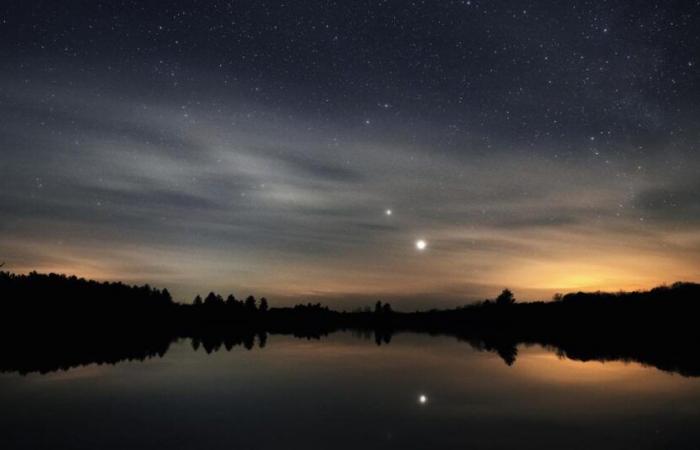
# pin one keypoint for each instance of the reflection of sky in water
(342, 392)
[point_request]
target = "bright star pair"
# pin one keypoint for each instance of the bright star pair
(421, 244)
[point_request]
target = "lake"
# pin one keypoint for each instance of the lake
(344, 391)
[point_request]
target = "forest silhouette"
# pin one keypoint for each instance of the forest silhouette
(54, 322)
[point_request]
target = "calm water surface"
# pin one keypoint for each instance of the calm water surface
(348, 393)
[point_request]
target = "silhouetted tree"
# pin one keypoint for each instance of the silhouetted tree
(378, 307)
(505, 298)
(386, 309)
(213, 300)
(250, 304)
(263, 305)
(197, 301)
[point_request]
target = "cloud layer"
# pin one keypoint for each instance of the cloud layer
(245, 199)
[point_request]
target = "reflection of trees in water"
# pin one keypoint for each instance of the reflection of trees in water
(214, 342)
(66, 352)
(51, 353)
(508, 351)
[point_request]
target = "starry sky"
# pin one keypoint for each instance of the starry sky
(256, 146)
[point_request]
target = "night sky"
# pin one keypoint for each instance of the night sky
(257, 147)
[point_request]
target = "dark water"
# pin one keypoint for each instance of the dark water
(348, 393)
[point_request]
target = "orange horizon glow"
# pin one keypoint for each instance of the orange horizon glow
(439, 275)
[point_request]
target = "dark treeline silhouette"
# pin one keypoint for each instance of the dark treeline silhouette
(40, 296)
(52, 322)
